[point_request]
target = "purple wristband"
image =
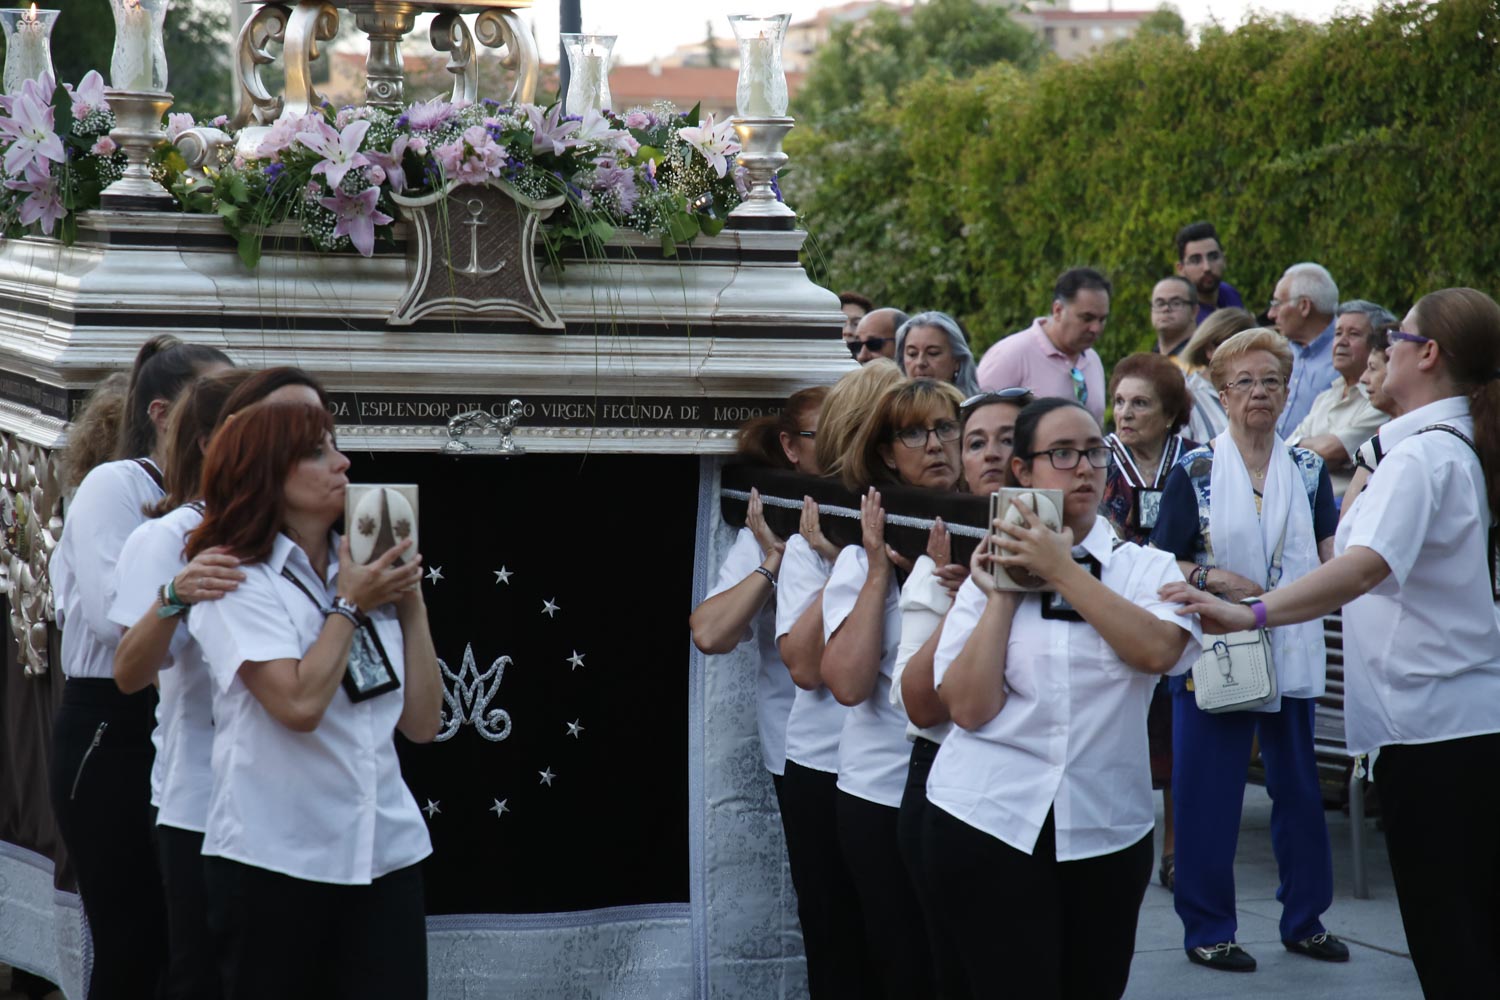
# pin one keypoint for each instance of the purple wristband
(1259, 607)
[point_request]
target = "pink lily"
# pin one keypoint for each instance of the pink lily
(712, 142)
(30, 127)
(43, 202)
(357, 217)
(340, 150)
(88, 97)
(389, 164)
(549, 134)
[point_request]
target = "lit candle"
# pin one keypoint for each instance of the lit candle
(131, 67)
(592, 76)
(759, 73)
(28, 57)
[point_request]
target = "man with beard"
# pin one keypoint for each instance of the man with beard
(1200, 259)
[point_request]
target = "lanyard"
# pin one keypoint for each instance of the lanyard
(1169, 455)
(303, 587)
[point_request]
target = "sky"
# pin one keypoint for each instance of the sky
(648, 28)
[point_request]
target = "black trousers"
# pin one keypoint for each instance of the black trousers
(284, 938)
(101, 795)
(192, 969)
(894, 925)
(1028, 925)
(833, 936)
(947, 967)
(1442, 829)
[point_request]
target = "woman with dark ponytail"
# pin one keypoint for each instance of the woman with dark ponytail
(101, 738)
(1415, 566)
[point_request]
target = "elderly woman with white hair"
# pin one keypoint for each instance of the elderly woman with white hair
(1245, 514)
(931, 345)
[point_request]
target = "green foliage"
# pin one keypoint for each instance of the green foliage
(874, 58)
(1370, 144)
(1164, 22)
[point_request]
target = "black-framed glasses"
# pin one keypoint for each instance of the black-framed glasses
(916, 437)
(1080, 386)
(1015, 394)
(1162, 305)
(1064, 459)
(1271, 383)
(875, 344)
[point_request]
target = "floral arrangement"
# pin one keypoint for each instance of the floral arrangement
(653, 170)
(333, 172)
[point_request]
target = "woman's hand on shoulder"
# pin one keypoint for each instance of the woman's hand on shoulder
(381, 581)
(211, 574)
(810, 528)
(1216, 615)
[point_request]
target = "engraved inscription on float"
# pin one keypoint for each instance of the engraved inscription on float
(405, 409)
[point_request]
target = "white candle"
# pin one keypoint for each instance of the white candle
(757, 96)
(27, 58)
(593, 72)
(131, 67)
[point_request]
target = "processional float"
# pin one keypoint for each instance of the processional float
(601, 822)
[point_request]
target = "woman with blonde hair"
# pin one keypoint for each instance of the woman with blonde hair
(1208, 418)
(1244, 514)
(827, 904)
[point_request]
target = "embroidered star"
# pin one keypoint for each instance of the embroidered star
(574, 729)
(500, 808)
(547, 777)
(550, 609)
(503, 575)
(435, 574)
(576, 659)
(431, 809)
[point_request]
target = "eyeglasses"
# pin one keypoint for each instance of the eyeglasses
(916, 437)
(1410, 338)
(1014, 394)
(875, 344)
(807, 434)
(1271, 383)
(1080, 387)
(1162, 305)
(1278, 304)
(1063, 459)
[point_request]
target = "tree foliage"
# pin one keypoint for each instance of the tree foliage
(875, 57)
(1370, 144)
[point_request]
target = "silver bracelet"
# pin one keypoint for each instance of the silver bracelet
(342, 612)
(767, 574)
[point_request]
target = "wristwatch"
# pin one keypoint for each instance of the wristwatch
(1258, 606)
(343, 606)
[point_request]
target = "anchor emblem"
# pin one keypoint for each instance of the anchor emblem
(475, 208)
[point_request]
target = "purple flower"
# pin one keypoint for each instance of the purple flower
(611, 178)
(340, 150)
(284, 132)
(472, 158)
(29, 126)
(89, 97)
(357, 217)
(548, 135)
(274, 171)
(640, 120)
(424, 116)
(389, 164)
(43, 200)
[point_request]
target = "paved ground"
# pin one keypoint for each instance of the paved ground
(1378, 968)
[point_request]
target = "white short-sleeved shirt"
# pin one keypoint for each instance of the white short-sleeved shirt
(181, 776)
(874, 754)
(109, 505)
(1071, 736)
(1422, 647)
(325, 806)
(774, 687)
(816, 719)
(924, 603)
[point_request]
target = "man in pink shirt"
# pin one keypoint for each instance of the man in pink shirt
(1054, 355)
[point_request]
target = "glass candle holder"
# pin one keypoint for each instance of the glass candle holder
(762, 85)
(28, 45)
(588, 72)
(139, 61)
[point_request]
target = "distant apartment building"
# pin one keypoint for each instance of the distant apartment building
(1073, 34)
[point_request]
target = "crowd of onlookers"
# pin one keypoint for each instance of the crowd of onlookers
(965, 770)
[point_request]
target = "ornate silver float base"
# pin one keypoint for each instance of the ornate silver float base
(138, 132)
(761, 155)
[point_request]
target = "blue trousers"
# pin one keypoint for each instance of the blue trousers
(1208, 791)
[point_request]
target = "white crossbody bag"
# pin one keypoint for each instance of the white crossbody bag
(1236, 671)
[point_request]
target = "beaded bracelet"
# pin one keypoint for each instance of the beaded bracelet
(767, 574)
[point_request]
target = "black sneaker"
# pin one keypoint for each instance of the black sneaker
(1226, 957)
(1324, 947)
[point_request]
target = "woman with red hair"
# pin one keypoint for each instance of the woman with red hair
(312, 840)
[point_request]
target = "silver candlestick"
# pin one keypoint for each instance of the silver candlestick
(761, 156)
(137, 131)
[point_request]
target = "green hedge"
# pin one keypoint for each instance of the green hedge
(1370, 144)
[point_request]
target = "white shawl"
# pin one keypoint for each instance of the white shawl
(1244, 542)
